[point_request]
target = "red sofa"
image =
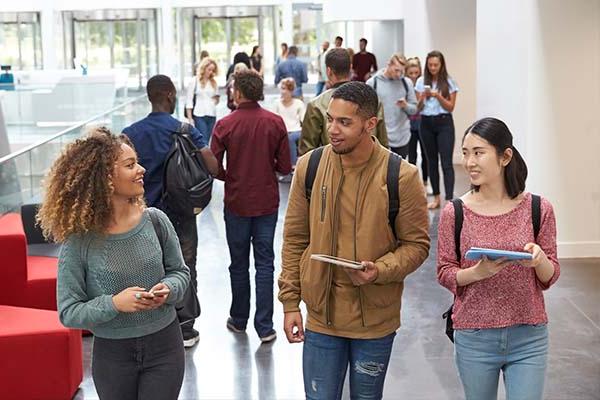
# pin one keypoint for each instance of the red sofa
(41, 359)
(28, 281)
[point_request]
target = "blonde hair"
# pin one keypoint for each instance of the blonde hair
(79, 186)
(288, 84)
(399, 58)
(240, 67)
(206, 61)
(413, 63)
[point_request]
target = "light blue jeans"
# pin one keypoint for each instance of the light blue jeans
(293, 138)
(325, 360)
(519, 351)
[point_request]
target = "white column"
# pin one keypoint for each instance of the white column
(47, 25)
(527, 76)
(287, 22)
(167, 45)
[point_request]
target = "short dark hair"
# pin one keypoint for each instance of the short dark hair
(338, 60)
(250, 84)
(293, 50)
(496, 133)
(363, 40)
(339, 38)
(158, 88)
(361, 94)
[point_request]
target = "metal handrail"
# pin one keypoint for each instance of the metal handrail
(68, 130)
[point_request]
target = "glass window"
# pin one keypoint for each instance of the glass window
(20, 40)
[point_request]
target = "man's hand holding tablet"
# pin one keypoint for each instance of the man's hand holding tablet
(360, 273)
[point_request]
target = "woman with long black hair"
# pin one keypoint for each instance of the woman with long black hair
(498, 315)
(436, 95)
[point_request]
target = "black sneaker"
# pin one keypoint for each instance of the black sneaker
(231, 326)
(190, 337)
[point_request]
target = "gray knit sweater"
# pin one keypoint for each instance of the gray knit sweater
(92, 268)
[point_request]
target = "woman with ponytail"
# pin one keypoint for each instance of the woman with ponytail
(498, 315)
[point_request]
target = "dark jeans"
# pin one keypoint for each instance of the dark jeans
(148, 367)
(205, 125)
(437, 134)
(187, 232)
(325, 360)
(402, 151)
(412, 153)
(241, 231)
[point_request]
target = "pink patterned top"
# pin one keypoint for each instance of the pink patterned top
(514, 295)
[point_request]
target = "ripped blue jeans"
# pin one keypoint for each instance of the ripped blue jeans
(325, 360)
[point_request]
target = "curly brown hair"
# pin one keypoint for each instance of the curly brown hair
(79, 186)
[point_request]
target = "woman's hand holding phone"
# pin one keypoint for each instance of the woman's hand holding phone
(161, 292)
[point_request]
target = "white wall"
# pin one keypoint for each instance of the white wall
(550, 51)
(358, 10)
(447, 26)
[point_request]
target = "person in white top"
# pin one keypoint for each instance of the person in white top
(292, 111)
(202, 98)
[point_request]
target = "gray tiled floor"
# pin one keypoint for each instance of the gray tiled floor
(229, 366)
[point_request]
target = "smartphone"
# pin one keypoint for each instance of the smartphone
(427, 87)
(161, 292)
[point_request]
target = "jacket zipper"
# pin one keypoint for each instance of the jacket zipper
(323, 202)
(360, 293)
(333, 248)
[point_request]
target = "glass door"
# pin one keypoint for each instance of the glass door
(212, 35)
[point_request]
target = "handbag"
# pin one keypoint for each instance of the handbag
(188, 309)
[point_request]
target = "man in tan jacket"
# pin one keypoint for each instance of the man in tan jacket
(352, 314)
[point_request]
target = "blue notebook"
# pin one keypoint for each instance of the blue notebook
(476, 253)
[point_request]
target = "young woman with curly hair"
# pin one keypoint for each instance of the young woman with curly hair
(202, 98)
(113, 277)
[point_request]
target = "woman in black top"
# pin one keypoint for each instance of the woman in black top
(256, 60)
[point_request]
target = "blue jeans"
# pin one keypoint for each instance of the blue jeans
(260, 231)
(320, 87)
(325, 360)
(437, 135)
(205, 125)
(518, 351)
(293, 138)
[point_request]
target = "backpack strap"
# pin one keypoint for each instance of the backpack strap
(536, 214)
(458, 223)
(158, 230)
(311, 171)
(393, 172)
(405, 85)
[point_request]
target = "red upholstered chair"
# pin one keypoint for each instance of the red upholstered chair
(41, 359)
(28, 281)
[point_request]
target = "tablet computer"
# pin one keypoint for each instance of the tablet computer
(476, 253)
(342, 262)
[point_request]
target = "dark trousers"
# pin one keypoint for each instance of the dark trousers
(260, 231)
(205, 125)
(148, 367)
(187, 232)
(402, 151)
(437, 134)
(412, 153)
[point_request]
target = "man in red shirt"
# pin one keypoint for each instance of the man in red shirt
(363, 63)
(256, 144)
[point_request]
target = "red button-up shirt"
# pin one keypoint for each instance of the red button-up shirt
(256, 143)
